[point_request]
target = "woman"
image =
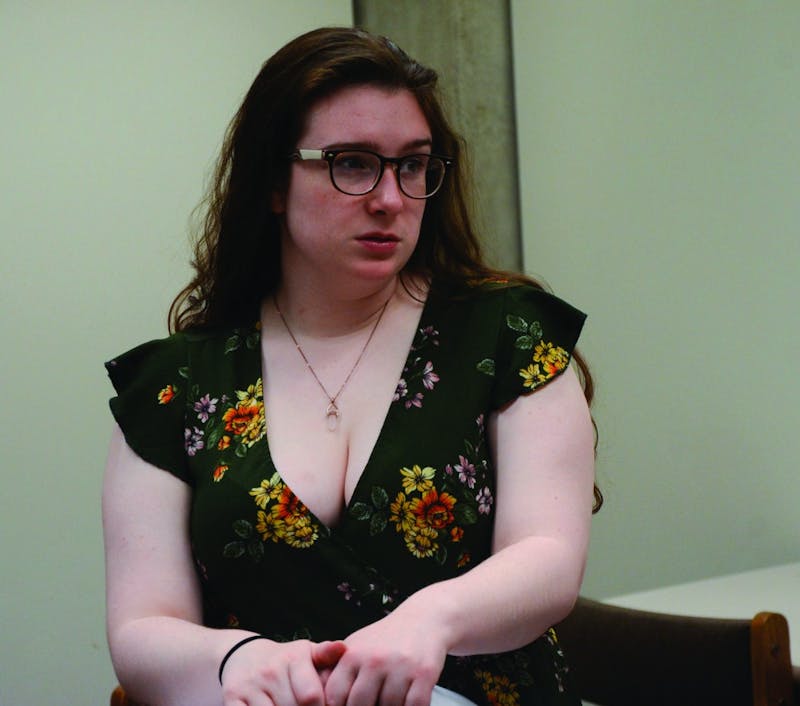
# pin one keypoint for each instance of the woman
(361, 499)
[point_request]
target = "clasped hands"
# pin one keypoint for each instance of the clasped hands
(372, 667)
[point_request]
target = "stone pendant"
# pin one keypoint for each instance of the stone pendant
(332, 416)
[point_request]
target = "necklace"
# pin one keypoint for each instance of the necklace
(332, 412)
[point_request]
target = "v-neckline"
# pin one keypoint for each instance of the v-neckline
(332, 529)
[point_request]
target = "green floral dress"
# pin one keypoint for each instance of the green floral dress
(422, 511)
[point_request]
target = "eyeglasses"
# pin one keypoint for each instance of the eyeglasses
(357, 172)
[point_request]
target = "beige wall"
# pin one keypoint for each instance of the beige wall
(660, 188)
(111, 116)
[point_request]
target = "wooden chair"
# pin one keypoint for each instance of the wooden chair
(626, 657)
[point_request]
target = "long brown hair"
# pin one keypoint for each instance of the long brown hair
(237, 254)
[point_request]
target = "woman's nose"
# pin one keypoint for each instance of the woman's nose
(387, 194)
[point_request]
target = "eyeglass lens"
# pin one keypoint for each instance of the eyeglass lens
(356, 173)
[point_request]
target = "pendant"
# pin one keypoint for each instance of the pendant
(332, 416)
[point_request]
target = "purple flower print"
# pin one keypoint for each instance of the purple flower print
(401, 390)
(430, 332)
(429, 378)
(193, 440)
(466, 472)
(347, 589)
(485, 500)
(205, 406)
(415, 401)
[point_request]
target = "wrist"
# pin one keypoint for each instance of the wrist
(248, 638)
(434, 609)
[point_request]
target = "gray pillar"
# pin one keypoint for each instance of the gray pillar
(468, 42)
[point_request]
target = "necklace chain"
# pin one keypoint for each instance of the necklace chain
(332, 412)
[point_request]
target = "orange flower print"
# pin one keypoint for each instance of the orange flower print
(224, 442)
(246, 419)
(499, 689)
(166, 395)
(456, 534)
(434, 510)
(219, 473)
(283, 516)
(289, 509)
(463, 560)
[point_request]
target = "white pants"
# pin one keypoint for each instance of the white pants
(445, 697)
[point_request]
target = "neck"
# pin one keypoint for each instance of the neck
(318, 314)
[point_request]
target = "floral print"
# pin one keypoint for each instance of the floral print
(547, 362)
(193, 440)
(499, 689)
(280, 517)
(167, 394)
(418, 371)
(433, 509)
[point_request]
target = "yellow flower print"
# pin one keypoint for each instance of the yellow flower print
(531, 376)
(421, 542)
(552, 358)
(417, 479)
(166, 395)
(265, 526)
(499, 689)
(268, 490)
(301, 533)
(401, 514)
(252, 395)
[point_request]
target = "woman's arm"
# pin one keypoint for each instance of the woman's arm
(543, 446)
(161, 652)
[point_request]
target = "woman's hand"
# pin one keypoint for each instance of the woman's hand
(267, 673)
(393, 662)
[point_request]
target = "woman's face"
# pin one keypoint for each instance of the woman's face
(334, 238)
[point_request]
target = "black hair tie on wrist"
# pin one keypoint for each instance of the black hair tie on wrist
(233, 649)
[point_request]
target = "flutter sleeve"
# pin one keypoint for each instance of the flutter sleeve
(151, 381)
(537, 334)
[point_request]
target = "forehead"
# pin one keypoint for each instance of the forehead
(366, 115)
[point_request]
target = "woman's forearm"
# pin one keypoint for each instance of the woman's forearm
(169, 661)
(506, 601)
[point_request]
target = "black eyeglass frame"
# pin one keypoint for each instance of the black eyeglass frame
(330, 155)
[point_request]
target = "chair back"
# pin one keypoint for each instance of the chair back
(626, 657)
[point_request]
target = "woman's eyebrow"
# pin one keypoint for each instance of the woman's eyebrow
(375, 147)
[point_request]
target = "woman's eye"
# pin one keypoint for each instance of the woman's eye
(414, 165)
(353, 162)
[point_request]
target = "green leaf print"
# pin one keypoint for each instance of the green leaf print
(361, 511)
(524, 343)
(517, 323)
(486, 366)
(379, 496)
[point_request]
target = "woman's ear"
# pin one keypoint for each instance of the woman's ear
(277, 202)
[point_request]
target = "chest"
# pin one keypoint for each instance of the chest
(320, 454)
